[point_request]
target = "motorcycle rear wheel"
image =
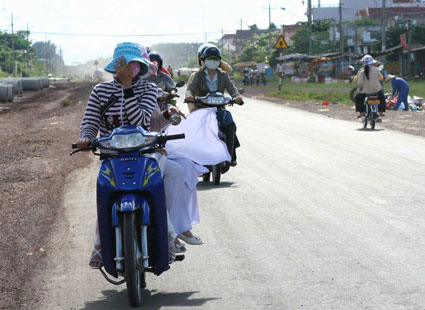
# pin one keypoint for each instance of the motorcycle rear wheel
(216, 174)
(206, 177)
(372, 124)
(364, 120)
(133, 276)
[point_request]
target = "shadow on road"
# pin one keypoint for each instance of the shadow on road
(204, 186)
(369, 130)
(150, 300)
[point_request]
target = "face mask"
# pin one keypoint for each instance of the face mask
(212, 64)
(135, 68)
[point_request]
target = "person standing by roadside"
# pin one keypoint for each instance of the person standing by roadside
(401, 87)
(170, 70)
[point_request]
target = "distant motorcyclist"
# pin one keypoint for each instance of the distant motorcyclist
(212, 79)
(161, 79)
(369, 83)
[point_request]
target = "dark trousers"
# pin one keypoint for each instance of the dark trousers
(360, 106)
(228, 127)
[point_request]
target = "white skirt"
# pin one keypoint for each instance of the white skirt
(201, 143)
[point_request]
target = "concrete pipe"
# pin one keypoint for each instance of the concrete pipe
(45, 82)
(17, 84)
(6, 93)
(31, 84)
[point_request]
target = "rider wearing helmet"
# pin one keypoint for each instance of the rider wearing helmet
(223, 66)
(161, 79)
(212, 79)
(369, 83)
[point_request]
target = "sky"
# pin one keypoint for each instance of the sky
(89, 29)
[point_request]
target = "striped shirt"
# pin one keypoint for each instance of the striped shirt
(130, 107)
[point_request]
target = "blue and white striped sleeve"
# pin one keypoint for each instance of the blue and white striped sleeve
(92, 117)
(139, 108)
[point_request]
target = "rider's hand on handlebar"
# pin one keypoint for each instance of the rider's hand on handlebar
(189, 99)
(83, 142)
(173, 110)
(160, 150)
(239, 100)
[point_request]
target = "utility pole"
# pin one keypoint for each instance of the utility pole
(28, 51)
(270, 15)
(383, 26)
(409, 48)
(45, 52)
(341, 34)
(13, 49)
(310, 32)
(241, 24)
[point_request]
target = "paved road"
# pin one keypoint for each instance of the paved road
(317, 215)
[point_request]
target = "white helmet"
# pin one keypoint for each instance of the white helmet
(368, 60)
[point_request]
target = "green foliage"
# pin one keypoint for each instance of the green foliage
(26, 55)
(335, 93)
(45, 50)
(364, 21)
(320, 44)
(257, 48)
(253, 27)
(401, 28)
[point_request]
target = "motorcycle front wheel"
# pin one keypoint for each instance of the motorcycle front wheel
(133, 276)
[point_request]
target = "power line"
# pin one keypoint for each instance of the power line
(124, 35)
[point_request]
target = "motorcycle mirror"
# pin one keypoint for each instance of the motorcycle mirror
(175, 119)
(180, 84)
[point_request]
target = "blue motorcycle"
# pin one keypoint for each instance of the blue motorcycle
(131, 207)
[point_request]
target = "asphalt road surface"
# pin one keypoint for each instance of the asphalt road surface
(318, 214)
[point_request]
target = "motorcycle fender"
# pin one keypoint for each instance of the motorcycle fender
(130, 202)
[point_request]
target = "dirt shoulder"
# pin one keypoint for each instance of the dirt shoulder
(35, 138)
(409, 122)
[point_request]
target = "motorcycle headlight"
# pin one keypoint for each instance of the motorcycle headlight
(214, 100)
(130, 141)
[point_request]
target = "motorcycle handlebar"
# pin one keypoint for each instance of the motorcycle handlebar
(175, 137)
(163, 139)
(197, 101)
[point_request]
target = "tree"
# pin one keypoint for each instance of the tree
(45, 50)
(253, 27)
(272, 26)
(257, 48)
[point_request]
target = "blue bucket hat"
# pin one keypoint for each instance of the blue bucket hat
(131, 52)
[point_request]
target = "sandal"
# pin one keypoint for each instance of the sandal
(96, 259)
(191, 240)
(180, 248)
(171, 254)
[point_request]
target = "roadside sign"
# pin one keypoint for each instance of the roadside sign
(281, 43)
